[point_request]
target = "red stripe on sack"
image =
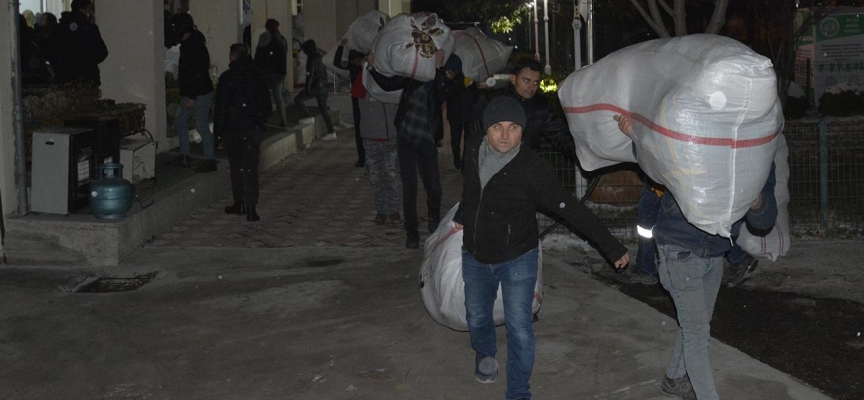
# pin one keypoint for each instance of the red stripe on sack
(416, 62)
(735, 144)
(482, 55)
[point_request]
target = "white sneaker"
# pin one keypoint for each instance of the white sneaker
(329, 137)
(307, 121)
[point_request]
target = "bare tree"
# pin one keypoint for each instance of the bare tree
(658, 12)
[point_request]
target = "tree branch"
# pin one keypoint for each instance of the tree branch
(666, 8)
(658, 18)
(718, 18)
(680, 18)
(638, 6)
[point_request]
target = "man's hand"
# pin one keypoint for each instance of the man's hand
(622, 262)
(459, 226)
(439, 58)
(371, 60)
(625, 124)
(190, 103)
(757, 203)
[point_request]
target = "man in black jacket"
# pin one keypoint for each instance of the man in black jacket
(504, 181)
(271, 58)
(196, 91)
(78, 46)
(418, 118)
(542, 119)
(354, 68)
(316, 87)
(242, 107)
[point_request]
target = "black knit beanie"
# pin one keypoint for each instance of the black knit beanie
(503, 108)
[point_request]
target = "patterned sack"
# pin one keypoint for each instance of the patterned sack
(406, 46)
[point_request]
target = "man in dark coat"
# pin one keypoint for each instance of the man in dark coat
(354, 68)
(242, 108)
(316, 87)
(77, 45)
(271, 58)
(196, 91)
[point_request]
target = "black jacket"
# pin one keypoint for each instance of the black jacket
(78, 49)
(500, 220)
(543, 121)
(194, 67)
(272, 58)
(437, 89)
(242, 99)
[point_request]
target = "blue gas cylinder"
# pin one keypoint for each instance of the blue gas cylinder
(110, 194)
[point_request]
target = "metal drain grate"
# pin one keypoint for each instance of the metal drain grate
(112, 285)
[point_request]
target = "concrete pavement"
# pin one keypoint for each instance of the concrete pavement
(318, 302)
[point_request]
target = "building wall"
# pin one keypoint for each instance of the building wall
(134, 71)
(219, 21)
(8, 191)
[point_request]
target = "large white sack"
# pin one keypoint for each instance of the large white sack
(327, 59)
(481, 57)
(778, 241)
(361, 33)
(372, 89)
(706, 120)
(406, 46)
(441, 284)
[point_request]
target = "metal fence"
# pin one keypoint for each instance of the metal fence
(826, 182)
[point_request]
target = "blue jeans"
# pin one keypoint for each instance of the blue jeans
(201, 111)
(646, 252)
(517, 279)
(693, 283)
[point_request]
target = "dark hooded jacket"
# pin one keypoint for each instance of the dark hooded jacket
(271, 54)
(242, 99)
(194, 68)
(79, 49)
(316, 74)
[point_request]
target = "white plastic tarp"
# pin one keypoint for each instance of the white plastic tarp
(361, 33)
(481, 57)
(327, 59)
(406, 46)
(777, 241)
(706, 120)
(441, 284)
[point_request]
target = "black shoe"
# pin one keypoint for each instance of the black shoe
(634, 274)
(413, 240)
(236, 208)
(207, 166)
(740, 272)
(251, 215)
(680, 388)
(395, 218)
(183, 161)
(380, 219)
(360, 163)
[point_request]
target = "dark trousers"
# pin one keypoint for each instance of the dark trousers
(422, 158)
(361, 152)
(244, 148)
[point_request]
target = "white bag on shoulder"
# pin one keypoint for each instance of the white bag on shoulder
(706, 117)
(361, 33)
(481, 57)
(406, 46)
(441, 284)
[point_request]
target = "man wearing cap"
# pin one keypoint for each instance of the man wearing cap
(504, 182)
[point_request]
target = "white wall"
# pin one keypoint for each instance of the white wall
(133, 31)
(8, 191)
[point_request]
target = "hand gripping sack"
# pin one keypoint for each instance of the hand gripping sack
(706, 118)
(441, 285)
(361, 33)
(406, 46)
(376, 92)
(481, 57)
(778, 241)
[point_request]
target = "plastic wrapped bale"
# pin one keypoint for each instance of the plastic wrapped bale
(361, 33)
(406, 46)
(777, 241)
(441, 284)
(376, 92)
(481, 57)
(706, 119)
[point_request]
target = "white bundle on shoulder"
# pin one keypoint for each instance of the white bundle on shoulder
(706, 119)
(406, 46)
(361, 33)
(441, 284)
(481, 57)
